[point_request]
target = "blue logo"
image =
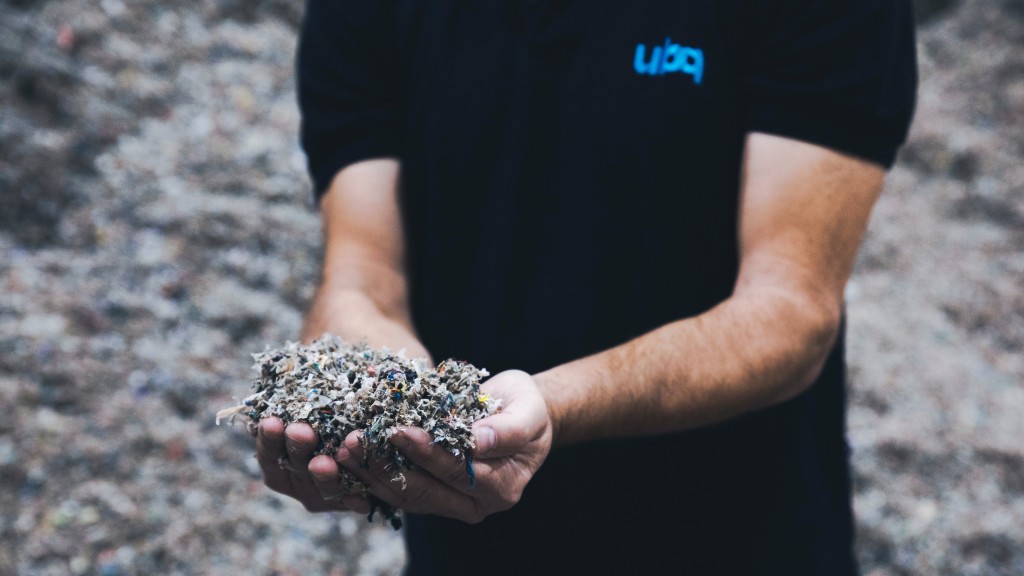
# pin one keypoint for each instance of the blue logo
(670, 58)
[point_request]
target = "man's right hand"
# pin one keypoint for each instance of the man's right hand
(510, 447)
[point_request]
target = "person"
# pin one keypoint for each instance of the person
(641, 216)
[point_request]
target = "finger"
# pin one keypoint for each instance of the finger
(371, 471)
(350, 457)
(364, 454)
(325, 473)
(276, 478)
(269, 453)
(300, 441)
(378, 474)
(326, 477)
(270, 438)
(316, 504)
(416, 445)
(505, 434)
(496, 437)
(522, 420)
(423, 493)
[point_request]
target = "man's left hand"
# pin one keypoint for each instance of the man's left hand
(510, 446)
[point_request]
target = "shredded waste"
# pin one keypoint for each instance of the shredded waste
(338, 388)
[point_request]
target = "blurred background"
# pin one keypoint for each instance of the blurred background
(155, 228)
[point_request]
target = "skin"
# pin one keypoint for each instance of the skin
(803, 213)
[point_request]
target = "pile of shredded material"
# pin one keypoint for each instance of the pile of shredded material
(338, 388)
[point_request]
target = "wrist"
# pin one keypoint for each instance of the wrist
(333, 310)
(552, 391)
(354, 316)
(577, 399)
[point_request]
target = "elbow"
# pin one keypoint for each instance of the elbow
(821, 337)
(820, 328)
(812, 328)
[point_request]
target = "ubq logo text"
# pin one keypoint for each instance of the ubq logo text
(670, 58)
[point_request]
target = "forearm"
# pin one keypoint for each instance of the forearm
(803, 211)
(751, 351)
(364, 293)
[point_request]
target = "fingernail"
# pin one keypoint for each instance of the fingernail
(342, 454)
(485, 439)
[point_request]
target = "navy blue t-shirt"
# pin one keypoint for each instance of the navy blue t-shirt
(570, 179)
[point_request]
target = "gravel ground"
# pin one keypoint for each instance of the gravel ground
(155, 229)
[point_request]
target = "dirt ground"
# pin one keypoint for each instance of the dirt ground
(155, 229)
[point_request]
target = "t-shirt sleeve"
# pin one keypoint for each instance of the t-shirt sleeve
(838, 73)
(347, 86)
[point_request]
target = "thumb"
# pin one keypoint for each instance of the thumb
(500, 435)
(522, 420)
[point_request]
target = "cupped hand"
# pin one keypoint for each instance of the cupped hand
(285, 454)
(510, 447)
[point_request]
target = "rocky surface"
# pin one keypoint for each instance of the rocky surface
(155, 229)
(936, 314)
